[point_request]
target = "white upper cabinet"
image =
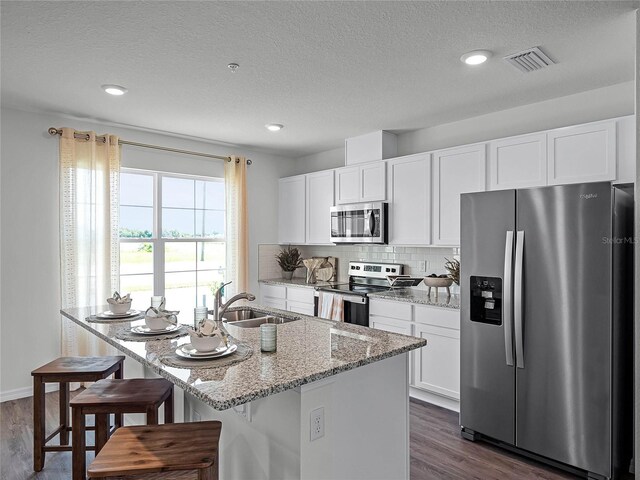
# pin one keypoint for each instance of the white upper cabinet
(319, 201)
(373, 178)
(584, 153)
(291, 210)
(455, 171)
(518, 162)
(370, 147)
(361, 183)
(409, 180)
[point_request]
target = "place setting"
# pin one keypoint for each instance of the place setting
(210, 346)
(159, 324)
(119, 310)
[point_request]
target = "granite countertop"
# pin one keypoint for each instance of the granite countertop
(309, 349)
(413, 295)
(297, 282)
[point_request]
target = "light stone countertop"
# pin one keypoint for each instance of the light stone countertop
(308, 349)
(411, 295)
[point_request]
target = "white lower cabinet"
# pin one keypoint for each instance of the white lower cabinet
(437, 365)
(435, 368)
(292, 299)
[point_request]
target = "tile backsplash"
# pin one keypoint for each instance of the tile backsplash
(434, 258)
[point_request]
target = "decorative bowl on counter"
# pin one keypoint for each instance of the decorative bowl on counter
(438, 281)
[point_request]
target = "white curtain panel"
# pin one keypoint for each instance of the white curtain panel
(89, 232)
(235, 184)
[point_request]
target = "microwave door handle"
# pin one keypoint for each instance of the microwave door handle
(372, 222)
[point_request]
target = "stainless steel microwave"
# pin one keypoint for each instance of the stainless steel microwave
(359, 223)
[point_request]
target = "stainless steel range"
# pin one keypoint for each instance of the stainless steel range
(364, 278)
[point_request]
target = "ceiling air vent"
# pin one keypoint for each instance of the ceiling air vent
(529, 60)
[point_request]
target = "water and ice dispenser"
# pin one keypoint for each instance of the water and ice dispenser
(486, 300)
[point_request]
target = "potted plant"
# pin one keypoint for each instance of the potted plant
(289, 260)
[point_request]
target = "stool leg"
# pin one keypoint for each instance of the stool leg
(78, 455)
(210, 473)
(38, 423)
(168, 409)
(118, 418)
(102, 430)
(64, 413)
(152, 415)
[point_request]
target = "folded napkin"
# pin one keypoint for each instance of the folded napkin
(118, 300)
(170, 316)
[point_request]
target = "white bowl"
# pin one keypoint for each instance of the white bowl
(156, 323)
(120, 307)
(205, 344)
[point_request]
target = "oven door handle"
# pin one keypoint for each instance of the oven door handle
(347, 298)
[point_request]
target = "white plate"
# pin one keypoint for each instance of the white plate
(144, 330)
(110, 314)
(187, 351)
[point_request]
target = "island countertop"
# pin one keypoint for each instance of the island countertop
(309, 349)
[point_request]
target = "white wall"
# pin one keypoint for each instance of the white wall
(30, 270)
(589, 106)
(608, 102)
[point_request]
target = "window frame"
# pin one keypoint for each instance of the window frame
(159, 242)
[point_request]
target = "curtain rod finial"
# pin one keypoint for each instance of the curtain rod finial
(54, 131)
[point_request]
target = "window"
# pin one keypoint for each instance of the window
(172, 238)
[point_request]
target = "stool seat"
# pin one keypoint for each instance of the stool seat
(143, 450)
(137, 395)
(65, 370)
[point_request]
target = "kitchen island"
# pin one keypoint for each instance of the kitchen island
(357, 376)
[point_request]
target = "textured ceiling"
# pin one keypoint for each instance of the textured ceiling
(326, 70)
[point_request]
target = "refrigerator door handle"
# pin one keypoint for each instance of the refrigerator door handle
(508, 307)
(517, 300)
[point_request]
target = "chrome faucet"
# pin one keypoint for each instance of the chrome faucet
(219, 308)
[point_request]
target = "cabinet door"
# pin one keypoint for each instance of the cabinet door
(319, 200)
(585, 153)
(455, 171)
(626, 150)
(437, 364)
(347, 185)
(373, 186)
(291, 210)
(303, 308)
(518, 162)
(410, 200)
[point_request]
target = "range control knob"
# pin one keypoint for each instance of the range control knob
(393, 270)
(388, 269)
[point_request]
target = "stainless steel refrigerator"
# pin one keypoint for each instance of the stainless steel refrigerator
(547, 323)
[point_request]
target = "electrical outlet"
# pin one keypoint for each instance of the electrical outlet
(317, 423)
(422, 266)
(195, 416)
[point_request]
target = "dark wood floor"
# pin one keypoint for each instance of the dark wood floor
(437, 450)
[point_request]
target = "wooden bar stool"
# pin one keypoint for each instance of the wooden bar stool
(137, 395)
(65, 370)
(150, 452)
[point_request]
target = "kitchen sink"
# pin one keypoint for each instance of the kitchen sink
(242, 314)
(256, 322)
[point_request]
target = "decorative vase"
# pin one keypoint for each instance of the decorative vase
(287, 275)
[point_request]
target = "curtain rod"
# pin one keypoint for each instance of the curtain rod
(58, 131)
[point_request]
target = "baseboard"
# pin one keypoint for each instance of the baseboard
(435, 399)
(25, 392)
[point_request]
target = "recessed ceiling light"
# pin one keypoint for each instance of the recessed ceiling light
(274, 127)
(476, 57)
(114, 89)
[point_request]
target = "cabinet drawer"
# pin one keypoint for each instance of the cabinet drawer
(276, 291)
(303, 308)
(439, 317)
(392, 325)
(300, 294)
(274, 303)
(385, 308)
